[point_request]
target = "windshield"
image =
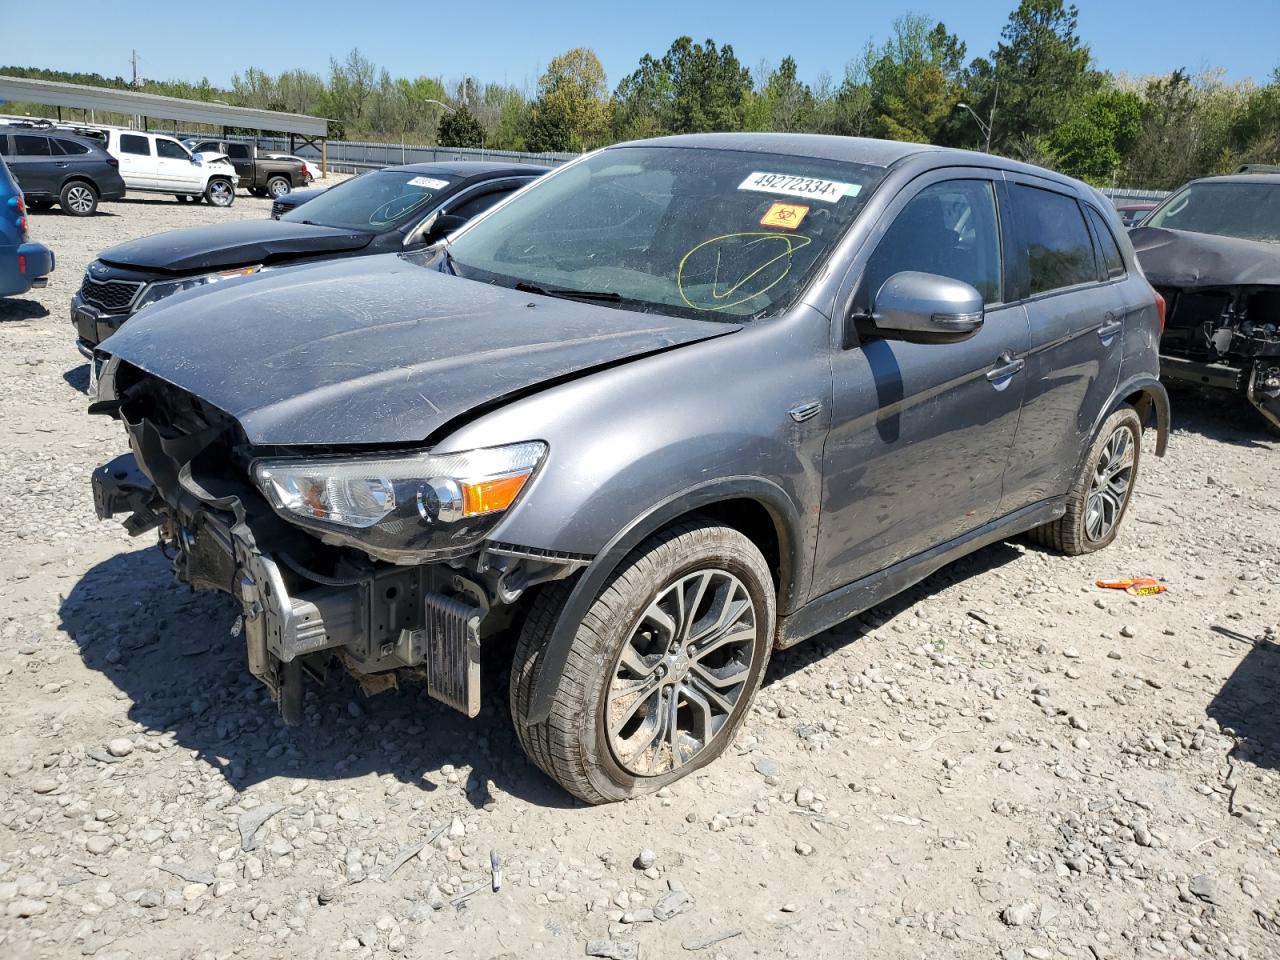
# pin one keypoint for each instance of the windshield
(378, 202)
(1250, 211)
(693, 232)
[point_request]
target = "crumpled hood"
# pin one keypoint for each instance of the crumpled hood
(226, 245)
(1180, 258)
(377, 349)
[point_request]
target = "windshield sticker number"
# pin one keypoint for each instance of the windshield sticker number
(809, 188)
(428, 183)
(785, 215)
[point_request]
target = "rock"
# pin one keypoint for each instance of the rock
(1004, 746)
(672, 903)
(1204, 887)
(1141, 835)
(1018, 914)
(99, 844)
(767, 767)
(804, 797)
(44, 785)
(646, 859)
(188, 873)
(120, 747)
(1127, 631)
(804, 849)
(194, 891)
(27, 908)
(252, 820)
(613, 949)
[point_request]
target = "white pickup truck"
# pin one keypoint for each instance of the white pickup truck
(154, 163)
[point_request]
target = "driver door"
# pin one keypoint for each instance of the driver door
(177, 171)
(921, 433)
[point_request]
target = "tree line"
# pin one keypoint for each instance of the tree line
(1038, 96)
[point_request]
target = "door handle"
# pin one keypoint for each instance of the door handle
(1110, 327)
(62, 165)
(1007, 366)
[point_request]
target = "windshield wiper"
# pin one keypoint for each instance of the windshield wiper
(595, 296)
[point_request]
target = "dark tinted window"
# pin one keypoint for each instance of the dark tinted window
(25, 145)
(1112, 262)
(378, 201)
(477, 204)
(132, 143)
(207, 146)
(237, 151)
(171, 150)
(4, 145)
(1059, 250)
(949, 229)
(71, 148)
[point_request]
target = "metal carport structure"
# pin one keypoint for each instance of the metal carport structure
(309, 130)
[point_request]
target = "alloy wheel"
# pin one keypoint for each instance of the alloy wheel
(681, 673)
(220, 193)
(80, 199)
(1110, 486)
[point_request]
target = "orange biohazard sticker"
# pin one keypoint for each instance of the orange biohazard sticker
(786, 215)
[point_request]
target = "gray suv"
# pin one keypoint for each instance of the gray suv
(679, 404)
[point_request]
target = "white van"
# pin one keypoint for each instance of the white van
(154, 163)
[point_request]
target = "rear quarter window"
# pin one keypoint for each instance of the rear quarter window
(1052, 228)
(1112, 261)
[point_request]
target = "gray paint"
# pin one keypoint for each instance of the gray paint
(915, 447)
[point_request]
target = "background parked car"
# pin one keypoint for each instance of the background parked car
(310, 169)
(23, 264)
(154, 163)
(262, 174)
(292, 200)
(1131, 214)
(391, 210)
(56, 167)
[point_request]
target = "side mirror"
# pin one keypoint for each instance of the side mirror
(926, 308)
(197, 159)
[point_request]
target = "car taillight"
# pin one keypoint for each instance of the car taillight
(22, 264)
(1160, 308)
(20, 205)
(112, 162)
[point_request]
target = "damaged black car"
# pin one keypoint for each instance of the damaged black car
(1212, 250)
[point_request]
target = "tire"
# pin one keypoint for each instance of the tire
(220, 192)
(1094, 508)
(278, 186)
(574, 745)
(78, 198)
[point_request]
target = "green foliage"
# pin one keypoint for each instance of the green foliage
(571, 111)
(461, 129)
(1095, 139)
(694, 88)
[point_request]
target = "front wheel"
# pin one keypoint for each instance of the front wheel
(1101, 493)
(220, 192)
(662, 669)
(79, 199)
(278, 186)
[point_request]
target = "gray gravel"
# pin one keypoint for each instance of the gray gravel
(914, 784)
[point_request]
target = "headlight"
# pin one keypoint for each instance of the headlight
(398, 508)
(167, 288)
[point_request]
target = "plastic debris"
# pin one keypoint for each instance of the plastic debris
(1135, 586)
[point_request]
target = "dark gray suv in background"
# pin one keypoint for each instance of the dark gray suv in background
(683, 402)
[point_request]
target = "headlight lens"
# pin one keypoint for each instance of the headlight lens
(167, 288)
(391, 506)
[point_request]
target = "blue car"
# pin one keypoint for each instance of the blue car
(23, 264)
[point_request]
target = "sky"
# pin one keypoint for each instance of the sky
(512, 42)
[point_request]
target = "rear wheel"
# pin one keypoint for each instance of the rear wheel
(79, 199)
(1100, 496)
(278, 186)
(220, 192)
(662, 669)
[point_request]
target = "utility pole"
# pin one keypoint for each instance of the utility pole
(134, 60)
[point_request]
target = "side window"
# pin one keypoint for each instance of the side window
(71, 148)
(1059, 251)
(1112, 262)
(237, 151)
(4, 145)
(171, 150)
(208, 146)
(25, 145)
(132, 143)
(949, 229)
(477, 204)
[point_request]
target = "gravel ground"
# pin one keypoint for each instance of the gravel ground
(1005, 762)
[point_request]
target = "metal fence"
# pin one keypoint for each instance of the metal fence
(1133, 195)
(353, 156)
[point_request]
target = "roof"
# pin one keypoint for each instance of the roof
(1272, 178)
(471, 168)
(136, 103)
(879, 153)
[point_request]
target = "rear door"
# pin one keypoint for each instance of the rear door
(1076, 319)
(242, 160)
(137, 162)
(921, 433)
(34, 165)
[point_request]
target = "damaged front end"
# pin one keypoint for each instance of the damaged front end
(383, 574)
(1227, 337)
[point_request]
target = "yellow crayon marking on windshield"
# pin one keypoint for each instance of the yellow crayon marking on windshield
(791, 242)
(785, 215)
